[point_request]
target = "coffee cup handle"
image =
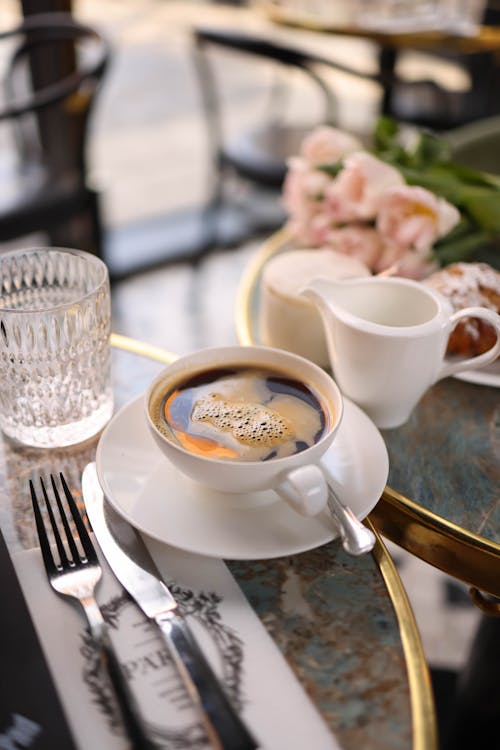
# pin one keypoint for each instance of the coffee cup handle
(305, 489)
(472, 363)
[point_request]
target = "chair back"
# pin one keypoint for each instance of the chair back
(261, 155)
(50, 85)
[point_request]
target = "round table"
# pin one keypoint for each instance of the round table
(350, 636)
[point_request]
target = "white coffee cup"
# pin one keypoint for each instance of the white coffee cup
(387, 340)
(297, 478)
(288, 320)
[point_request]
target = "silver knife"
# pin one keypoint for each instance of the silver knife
(139, 576)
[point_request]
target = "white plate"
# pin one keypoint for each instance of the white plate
(489, 375)
(152, 495)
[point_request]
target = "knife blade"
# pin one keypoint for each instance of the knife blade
(132, 564)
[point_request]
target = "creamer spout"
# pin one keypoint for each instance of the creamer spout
(321, 293)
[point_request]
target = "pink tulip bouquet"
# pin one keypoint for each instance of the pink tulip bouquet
(400, 208)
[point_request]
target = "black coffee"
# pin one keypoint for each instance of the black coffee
(244, 413)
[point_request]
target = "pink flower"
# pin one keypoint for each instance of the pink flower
(414, 266)
(365, 210)
(402, 262)
(360, 242)
(325, 145)
(413, 217)
(303, 188)
(357, 191)
(303, 198)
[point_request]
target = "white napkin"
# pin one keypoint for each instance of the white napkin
(257, 677)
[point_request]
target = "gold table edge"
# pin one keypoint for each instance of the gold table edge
(141, 348)
(423, 711)
(421, 696)
(247, 283)
(441, 543)
(462, 534)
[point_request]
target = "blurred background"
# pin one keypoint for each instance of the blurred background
(149, 148)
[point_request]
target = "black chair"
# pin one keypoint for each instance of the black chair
(258, 154)
(431, 105)
(50, 87)
(428, 104)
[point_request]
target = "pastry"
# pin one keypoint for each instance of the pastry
(468, 285)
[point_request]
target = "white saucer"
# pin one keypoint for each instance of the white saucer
(152, 495)
(488, 375)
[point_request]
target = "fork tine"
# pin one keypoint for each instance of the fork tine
(69, 536)
(55, 529)
(85, 540)
(48, 558)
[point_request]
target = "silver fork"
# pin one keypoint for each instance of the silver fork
(76, 575)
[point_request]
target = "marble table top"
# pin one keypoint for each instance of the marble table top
(343, 623)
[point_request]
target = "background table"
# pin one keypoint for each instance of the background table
(487, 38)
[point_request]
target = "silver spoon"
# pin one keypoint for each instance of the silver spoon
(356, 538)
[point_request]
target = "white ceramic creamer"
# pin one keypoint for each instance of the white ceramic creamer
(387, 341)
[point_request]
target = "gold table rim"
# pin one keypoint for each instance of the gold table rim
(422, 708)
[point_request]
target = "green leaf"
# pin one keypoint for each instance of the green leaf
(463, 227)
(472, 176)
(331, 169)
(450, 250)
(483, 205)
(440, 183)
(385, 133)
(386, 143)
(429, 150)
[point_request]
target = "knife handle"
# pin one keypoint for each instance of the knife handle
(222, 724)
(126, 701)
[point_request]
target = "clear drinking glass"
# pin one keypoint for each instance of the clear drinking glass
(55, 359)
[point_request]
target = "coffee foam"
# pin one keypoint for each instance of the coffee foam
(250, 424)
(241, 395)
